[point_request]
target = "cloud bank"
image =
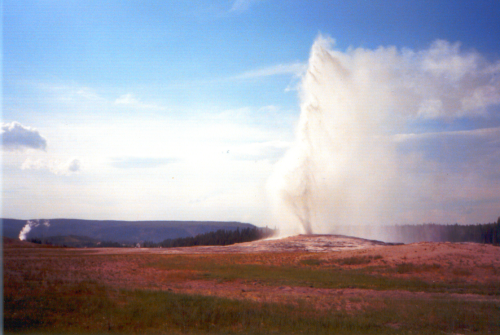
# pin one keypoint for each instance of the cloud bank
(15, 136)
(355, 160)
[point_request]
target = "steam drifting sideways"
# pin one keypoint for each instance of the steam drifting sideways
(362, 154)
(29, 225)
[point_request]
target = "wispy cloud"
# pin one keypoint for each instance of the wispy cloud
(297, 69)
(67, 92)
(494, 133)
(129, 100)
(15, 136)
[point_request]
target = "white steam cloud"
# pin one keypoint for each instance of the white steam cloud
(29, 225)
(349, 164)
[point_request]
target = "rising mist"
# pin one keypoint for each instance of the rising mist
(359, 157)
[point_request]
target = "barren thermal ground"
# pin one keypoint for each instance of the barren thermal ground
(301, 284)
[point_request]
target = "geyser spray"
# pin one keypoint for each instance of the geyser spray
(350, 164)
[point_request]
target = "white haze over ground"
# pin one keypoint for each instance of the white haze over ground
(23, 234)
(359, 159)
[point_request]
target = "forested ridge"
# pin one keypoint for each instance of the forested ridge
(219, 237)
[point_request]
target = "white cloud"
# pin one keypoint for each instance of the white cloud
(15, 136)
(448, 81)
(446, 59)
(57, 167)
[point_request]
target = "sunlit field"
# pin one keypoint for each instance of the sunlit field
(420, 288)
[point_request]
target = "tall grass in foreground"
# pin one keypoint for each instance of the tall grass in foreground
(88, 308)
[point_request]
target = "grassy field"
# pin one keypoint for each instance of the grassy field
(63, 291)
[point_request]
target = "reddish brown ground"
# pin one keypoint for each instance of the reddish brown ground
(468, 263)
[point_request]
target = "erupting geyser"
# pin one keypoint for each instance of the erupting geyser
(357, 159)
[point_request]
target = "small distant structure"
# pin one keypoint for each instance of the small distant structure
(138, 245)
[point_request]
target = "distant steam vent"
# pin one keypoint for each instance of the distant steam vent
(29, 225)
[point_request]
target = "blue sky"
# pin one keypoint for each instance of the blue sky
(181, 109)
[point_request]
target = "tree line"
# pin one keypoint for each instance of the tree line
(219, 237)
(74, 241)
(480, 233)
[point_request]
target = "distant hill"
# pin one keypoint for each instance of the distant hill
(118, 231)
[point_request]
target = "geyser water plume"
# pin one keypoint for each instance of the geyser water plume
(29, 225)
(349, 164)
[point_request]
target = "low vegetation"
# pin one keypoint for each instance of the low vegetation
(324, 274)
(91, 308)
(412, 268)
(96, 291)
